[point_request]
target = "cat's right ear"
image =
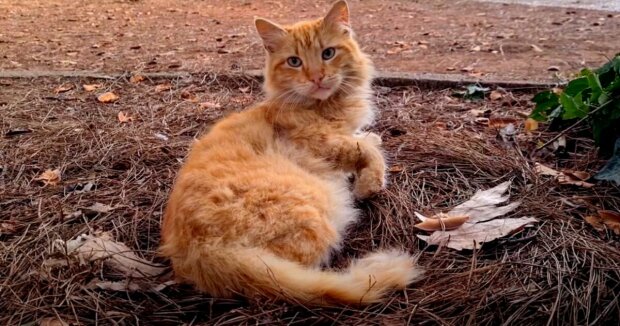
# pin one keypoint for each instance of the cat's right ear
(271, 33)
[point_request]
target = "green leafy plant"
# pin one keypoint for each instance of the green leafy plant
(593, 96)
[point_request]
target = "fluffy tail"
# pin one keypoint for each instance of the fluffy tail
(222, 272)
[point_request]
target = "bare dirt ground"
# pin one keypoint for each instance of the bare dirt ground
(483, 39)
(560, 272)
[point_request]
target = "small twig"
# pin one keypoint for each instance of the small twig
(563, 132)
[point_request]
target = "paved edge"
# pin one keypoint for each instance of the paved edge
(387, 79)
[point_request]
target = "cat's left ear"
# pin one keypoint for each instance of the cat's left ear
(338, 16)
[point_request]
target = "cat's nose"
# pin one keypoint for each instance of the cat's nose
(317, 78)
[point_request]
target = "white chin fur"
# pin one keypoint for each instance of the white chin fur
(321, 94)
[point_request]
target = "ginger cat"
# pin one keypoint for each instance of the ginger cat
(264, 198)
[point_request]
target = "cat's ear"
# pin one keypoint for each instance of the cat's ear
(338, 15)
(271, 33)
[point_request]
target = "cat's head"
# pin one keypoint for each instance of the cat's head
(313, 60)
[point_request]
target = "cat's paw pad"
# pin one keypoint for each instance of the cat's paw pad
(368, 183)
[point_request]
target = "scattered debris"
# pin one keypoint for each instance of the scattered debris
(8, 227)
(136, 79)
(115, 254)
(209, 105)
(536, 48)
(91, 87)
(163, 87)
(63, 88)
(52, 321)
(100, 208)
(50, 177)
(107, 97)
(17, 131)
(496, 95)
(473, 92)
(123, 117)
(530, 125)
(161, 136)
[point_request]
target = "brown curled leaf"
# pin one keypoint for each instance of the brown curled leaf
(442, 222)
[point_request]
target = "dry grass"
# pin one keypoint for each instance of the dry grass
(560, 272)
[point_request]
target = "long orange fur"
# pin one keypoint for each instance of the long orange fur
(263, 198)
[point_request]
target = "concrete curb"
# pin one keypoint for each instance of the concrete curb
(387, 79)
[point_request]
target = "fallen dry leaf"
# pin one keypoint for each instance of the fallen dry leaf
(467, 69)
(611, 220)
(50, 177)
(116, 255)
(472, 235)
(530, 125)
(575, 178)
(52, 321)
(244, 89)
(595, 221)
(132, 285)
(209, 105)
(136, 79)
(163, 87)
(396, 168)
(63, 88)
(502, 122)
(482, 225)
(495, 95)
(478, 113)
(107, 97)
(482, 206)
(566, 177)
(545, 170)
(123, 117)
(580, 175)
(441, 222)
(91, 87)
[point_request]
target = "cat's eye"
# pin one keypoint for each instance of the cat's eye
(328, 53)
(294, 62)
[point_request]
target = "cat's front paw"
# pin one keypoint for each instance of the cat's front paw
(371, 138)
(368, 183)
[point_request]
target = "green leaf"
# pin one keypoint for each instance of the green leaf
(613, 64)
(615, 85)
(573, 106)
(546, 102)
(609, 71)
(577, 86)
(595, 85)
